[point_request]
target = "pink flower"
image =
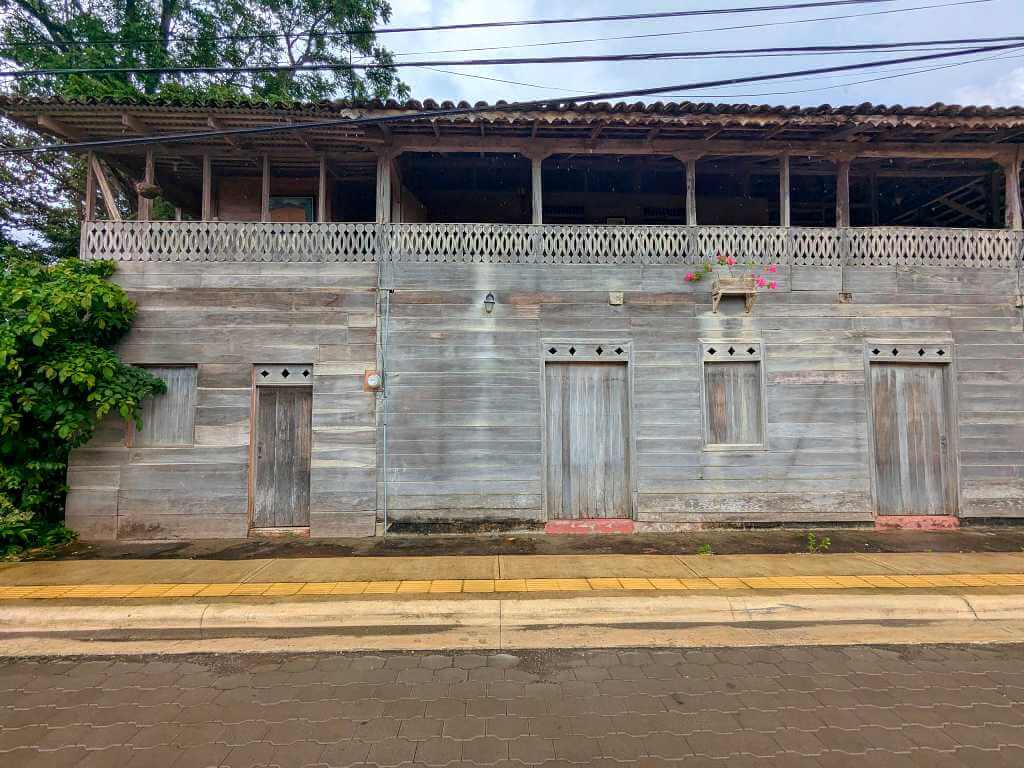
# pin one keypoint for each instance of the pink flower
(761, 282)
(690, 277)
(773, 268)
(773, 285)
(730, 261)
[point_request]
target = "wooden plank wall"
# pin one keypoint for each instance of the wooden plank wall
(465, 415)
(225, 318)
(465, 431)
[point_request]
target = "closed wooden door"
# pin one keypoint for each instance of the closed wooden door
(283, 445)
(913, 461)
(587, 440)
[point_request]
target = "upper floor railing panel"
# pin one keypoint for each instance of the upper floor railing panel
(222, 241)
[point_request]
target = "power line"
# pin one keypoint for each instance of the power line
(168, 138)
(617, 57)
(702, 30)
(474, 25)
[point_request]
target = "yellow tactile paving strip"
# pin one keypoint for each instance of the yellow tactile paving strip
(477, 586)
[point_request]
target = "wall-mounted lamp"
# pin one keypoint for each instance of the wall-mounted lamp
(489, 303)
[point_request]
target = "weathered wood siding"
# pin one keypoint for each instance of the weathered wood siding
(466, 427)
(224, 319)
(465, 422)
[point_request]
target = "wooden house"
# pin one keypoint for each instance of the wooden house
(486, 316)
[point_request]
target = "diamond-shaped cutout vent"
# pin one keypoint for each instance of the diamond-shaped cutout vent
(552, 351)
(712, 350)
(732, 350)
(572, 350)
(876, 351)
(264, 373)
(751, 350)
(920, 352)
(619, 350)
(305, 374)
(940, 353)
(895, 352)
(285, 373)
(599, 350)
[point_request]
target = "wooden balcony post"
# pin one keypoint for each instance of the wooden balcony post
(843, 192)
(145, 205)
(90, 188)
(265, 196)
(691, 191)
(321, 191)
(1011, 170)
(536, 188)
(207, 211)
(384, 188)
(784, 205)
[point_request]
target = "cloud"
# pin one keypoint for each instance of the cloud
(1006, 91)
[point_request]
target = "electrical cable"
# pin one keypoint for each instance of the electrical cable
(168, 138)
(485, 24)
(616, 57)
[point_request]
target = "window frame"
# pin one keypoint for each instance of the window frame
(707, 356)
(135, 434)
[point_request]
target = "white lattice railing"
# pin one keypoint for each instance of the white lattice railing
(547, 244)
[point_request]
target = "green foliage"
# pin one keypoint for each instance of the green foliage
(59, 375)
(816, 546)
(20, 532)
(41, 196)
(705, 549)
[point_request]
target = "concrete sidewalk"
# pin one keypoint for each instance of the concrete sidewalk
(351, 576)
(404, 603)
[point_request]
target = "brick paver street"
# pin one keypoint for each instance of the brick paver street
(924, 707)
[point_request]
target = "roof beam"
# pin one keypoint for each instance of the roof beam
(234, 141)
(53, 125)
(302, 137)
(135, 124)
(845, 134)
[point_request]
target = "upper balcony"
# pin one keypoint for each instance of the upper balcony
(222, 241)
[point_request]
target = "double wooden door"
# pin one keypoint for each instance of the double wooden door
(587, 434)
(282, 446)
(914, 463)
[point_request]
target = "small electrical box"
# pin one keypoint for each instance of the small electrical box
(372, 380)
(615, 298)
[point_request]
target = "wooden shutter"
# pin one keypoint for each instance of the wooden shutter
(169, 419)
(733, 394)
(283, 446)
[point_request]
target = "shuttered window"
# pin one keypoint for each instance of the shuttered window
(169, 418)
(733, 386)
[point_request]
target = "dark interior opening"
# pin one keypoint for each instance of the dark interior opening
(463, 187)
(613, 189)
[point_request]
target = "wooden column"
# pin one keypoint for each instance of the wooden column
(207, 212)
(1011, 170)
(384, 188)
(90, 188)
(784, 204)
(536, 187)
(321, 191)
(265, 196)
(843, 193)
(691, 190)
(145, 205)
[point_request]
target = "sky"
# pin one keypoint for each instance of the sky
(997, 80)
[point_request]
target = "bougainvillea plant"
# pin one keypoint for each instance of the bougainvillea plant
(729, 262)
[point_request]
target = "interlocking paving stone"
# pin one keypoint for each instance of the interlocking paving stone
(898, 707)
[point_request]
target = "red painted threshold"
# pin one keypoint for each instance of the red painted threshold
(593, 525)
(916, 522)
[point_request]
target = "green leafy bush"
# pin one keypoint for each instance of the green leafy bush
(21, 531)
(59, 376)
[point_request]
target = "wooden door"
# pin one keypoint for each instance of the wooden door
(587, 440)
(913, 463)
(283, 444)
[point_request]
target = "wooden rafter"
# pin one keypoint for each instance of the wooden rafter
(845, 134)
(135, 124)
(106, 187)
(944, 199)
(53, 125)
(233, 141)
